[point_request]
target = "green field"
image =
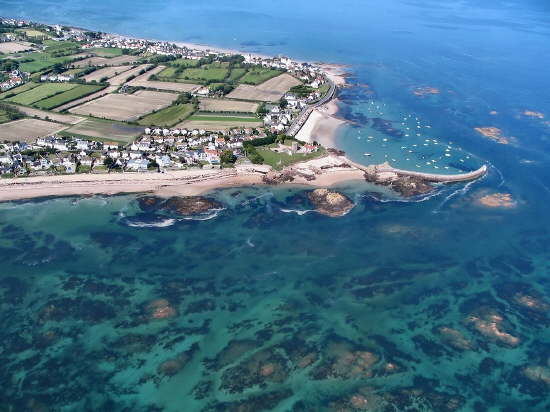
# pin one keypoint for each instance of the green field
(169, 116)
(68, 96)
(184, 63)
(41, 92)
(75, 72)
(41, 61)
(224, 118)
(53, 46)
(31, 32)
(17, 90)
(259, 75)
(9, 113)
(106, 51)
(236, 74)
(281, 160)
(217, 72)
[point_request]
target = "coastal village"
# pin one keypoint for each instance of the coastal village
(205, 119)
(96, 105)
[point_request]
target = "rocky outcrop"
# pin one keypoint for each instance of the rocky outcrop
(191, 205)
(185, 206)
(330, 203)
(275, 178)
(407, 186)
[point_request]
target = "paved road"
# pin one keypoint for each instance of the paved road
(302, 118)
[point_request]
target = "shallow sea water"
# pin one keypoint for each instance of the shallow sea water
(434, 304)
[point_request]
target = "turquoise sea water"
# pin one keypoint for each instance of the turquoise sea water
(438, 304)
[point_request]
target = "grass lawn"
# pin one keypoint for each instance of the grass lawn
(68, 96)
(209, 118)
(106, 51)
(280, 160)
(41, 92)
(257, 75)
(17, 90)
(169, 116)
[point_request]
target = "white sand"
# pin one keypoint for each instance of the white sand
(322, 125)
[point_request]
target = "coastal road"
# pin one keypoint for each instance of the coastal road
(302, 118)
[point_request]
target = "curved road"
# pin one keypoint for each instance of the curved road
(302, 118)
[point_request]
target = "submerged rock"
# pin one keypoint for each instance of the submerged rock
(191, 205)
(185, 206)
(497, 200)
(160, 309)
(330, 203)
(148, 203)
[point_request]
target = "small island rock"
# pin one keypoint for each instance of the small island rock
(330, 203)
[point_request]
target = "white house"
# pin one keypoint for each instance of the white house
(138, 165)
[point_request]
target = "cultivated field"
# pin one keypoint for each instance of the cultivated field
(27, 130)
(126, 107)
(213, 72)
(141, 81)
(124, 59)
(227, 106)
(104, 61)
(40, 92)
(93, 96)
(214, 123)
(258, 75)
(106, 130)
(169, 116)
(269, 91)
(68, 96)
(91, 61)
(121, 78)
(14, 47)
(61, 118)
(106, 51)
(30, 32)
(106, 72)
(17, 90)
(35, 62)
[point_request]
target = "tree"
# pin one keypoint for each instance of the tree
(283, 103)
(58, 68)
(227, 157)
(108, 162)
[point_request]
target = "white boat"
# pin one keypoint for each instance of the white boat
(367, 154)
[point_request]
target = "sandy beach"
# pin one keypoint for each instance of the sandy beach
(172, 183)
(322, 125)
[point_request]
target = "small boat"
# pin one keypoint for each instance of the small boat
(367, 154)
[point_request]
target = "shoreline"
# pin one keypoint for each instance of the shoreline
(322, 125)
(172, 183)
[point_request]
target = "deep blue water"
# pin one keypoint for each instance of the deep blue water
(438, 305)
